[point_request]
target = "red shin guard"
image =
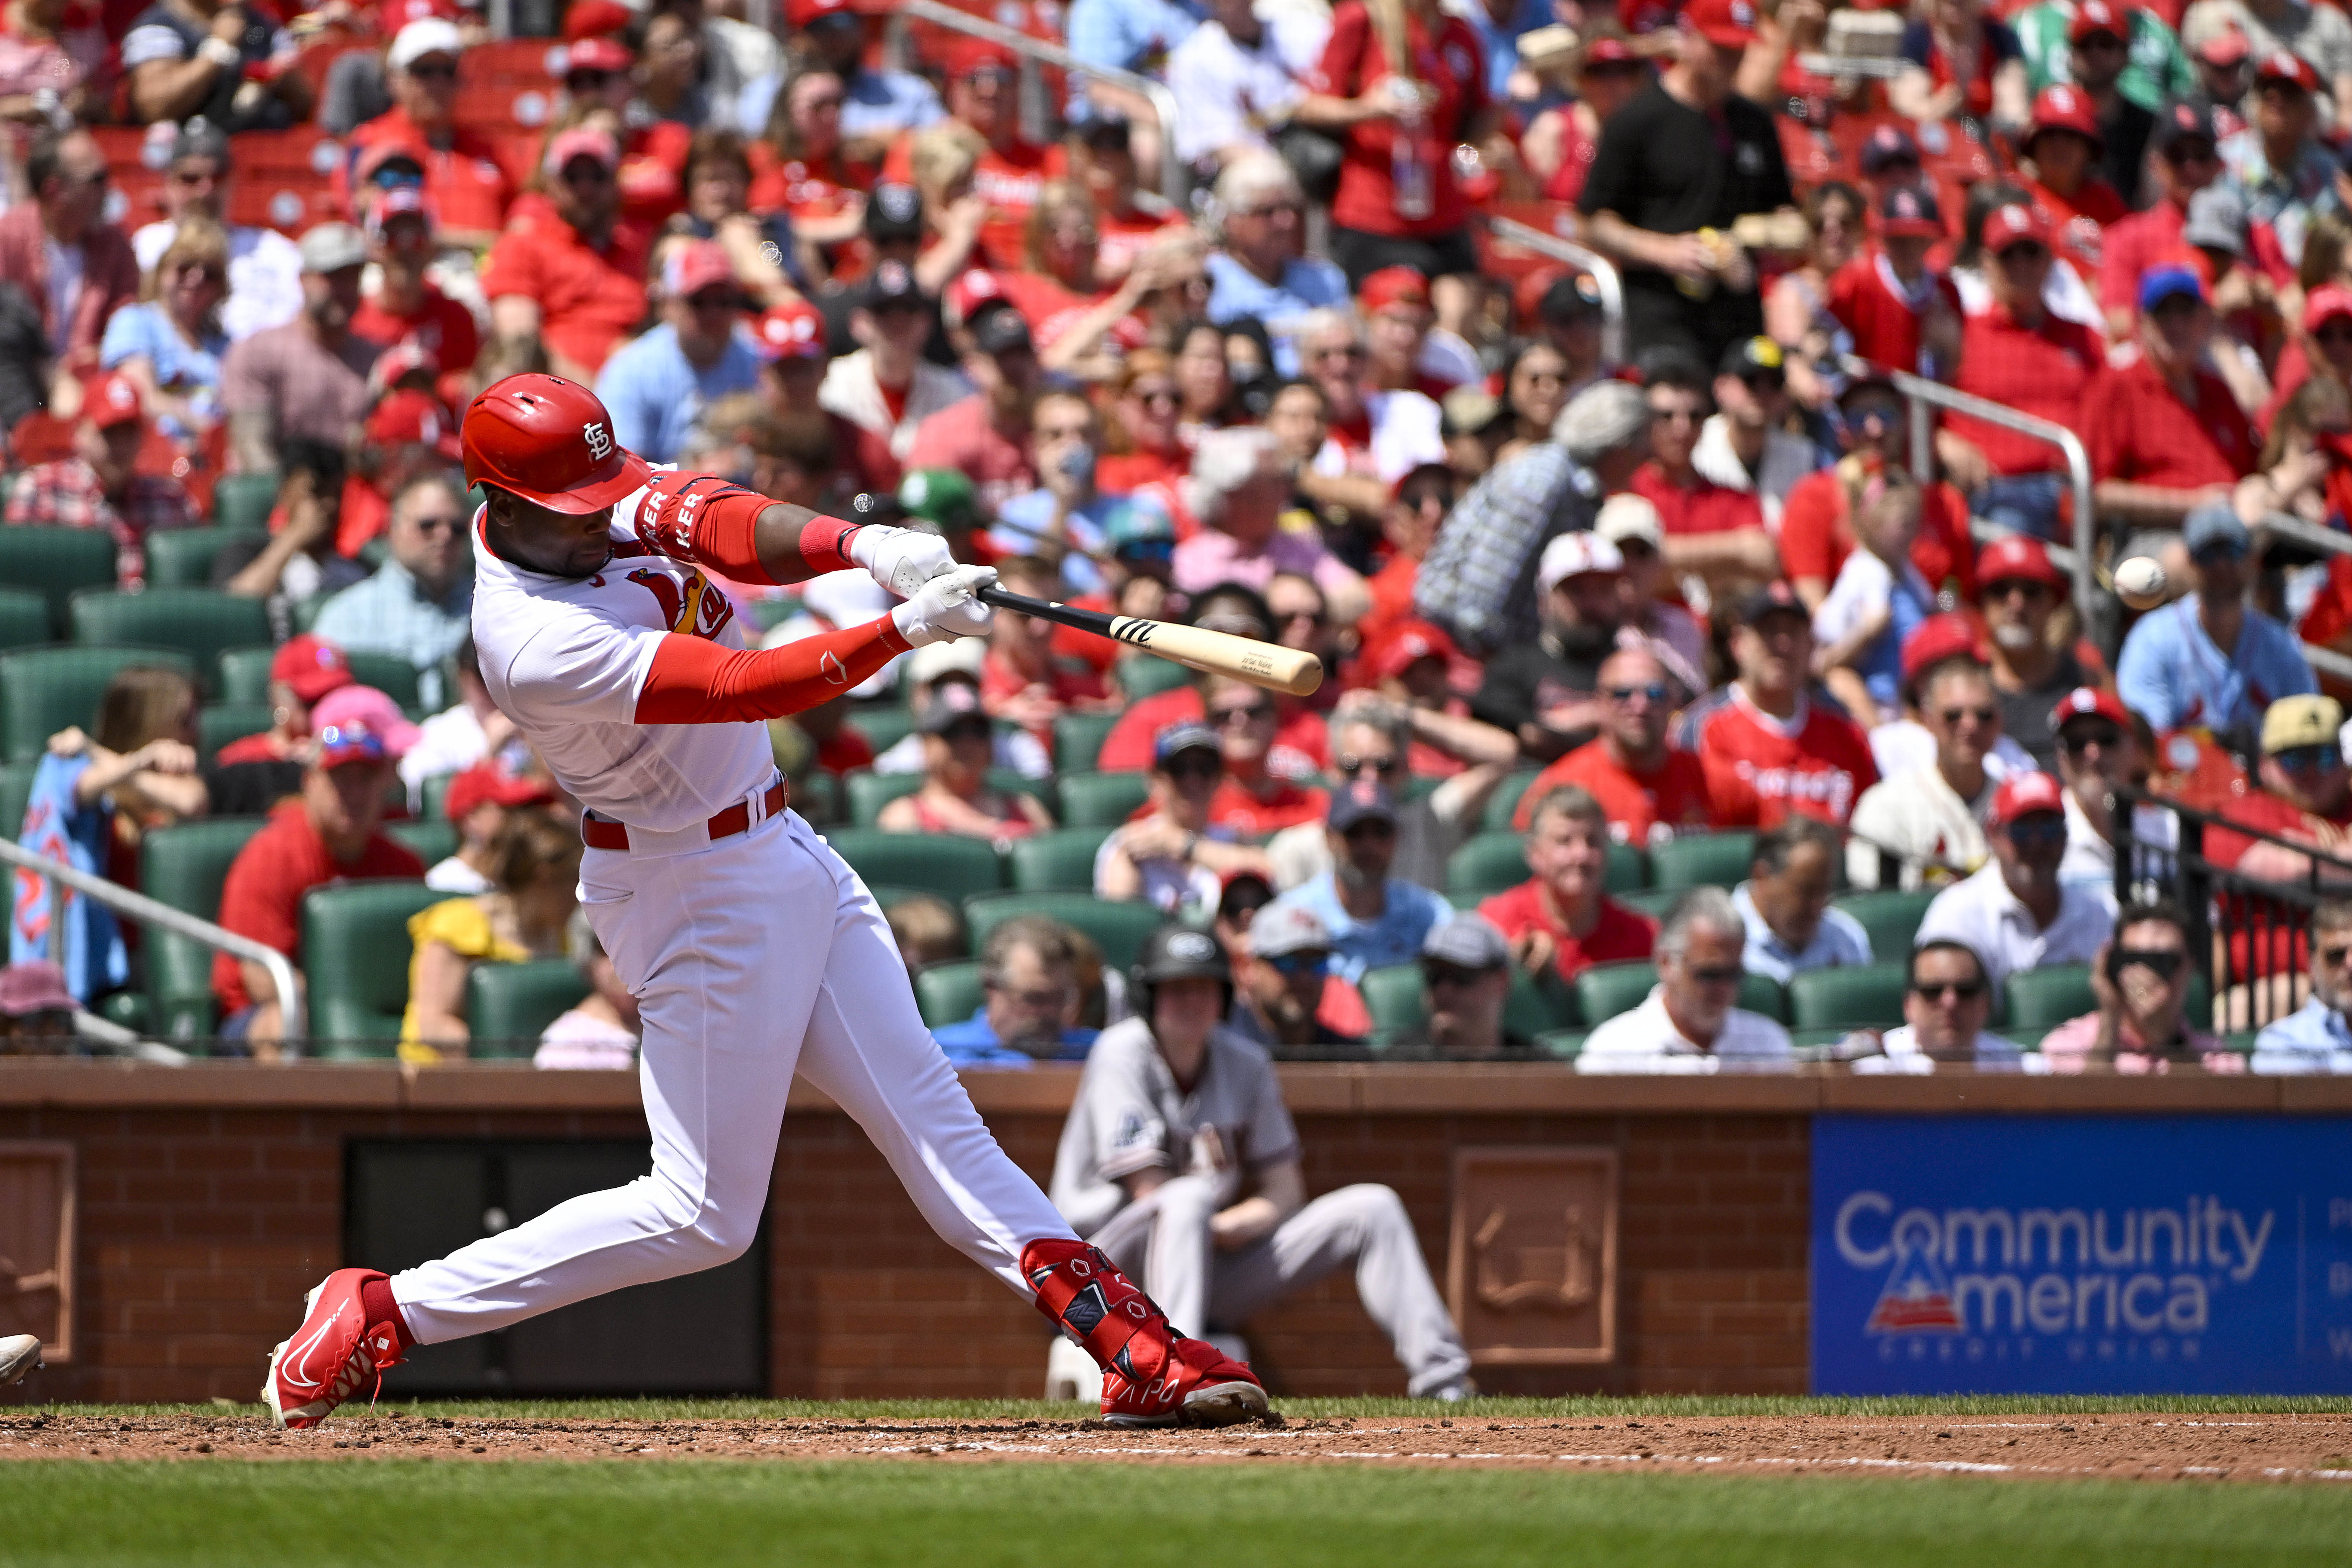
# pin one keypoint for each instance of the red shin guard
(1099, 1309)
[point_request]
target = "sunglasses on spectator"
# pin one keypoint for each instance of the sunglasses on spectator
(588, 81)
(1937, 990)
(1351, 766)
(1438, 974)
(1764, 382)
(1336, 350)
(1269, 209)
(203, 269)
(1377, 827)
(1220, 718)
(2212, 554)
(586, 171)
(1155, 396)
(1147, 550)
(2335, 332)
(1196, 765)
(1655, 692)
(2024, 252)
(2308, 759)
(425, 71)
(2200, 153)
(1291, 965)
(2008, 585)
(1678, 416)
(1725, 974)
(2333, 957)
(1039, 1001)
(2038, 831)
(713, 299)
(2166, 962)
(1982, 715)
(2081, 739)
(973, 729)
(193, 178)
(1417, 499)
(452, 523)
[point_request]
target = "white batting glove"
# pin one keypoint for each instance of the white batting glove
(944, 608)
(901, 559)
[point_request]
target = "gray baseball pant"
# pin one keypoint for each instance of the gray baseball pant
(1161, 1241)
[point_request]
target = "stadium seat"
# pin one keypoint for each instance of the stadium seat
(203, 621)
(510, 1006)
(1539, 1004)
(242, 502)
(1891, 917)
(1078, 740)
(1118, 929)
(952, 868)
(183, 557)
(355, 953)
(1565, 1044)
(1762, 994)
(1140, 674)
(1491, 862)
(218, 723)
(436, 794)
(1606, 990)
(1061, 861)
(1858, 996)
(432, 839)
(1393, 996)
(184, 866)
(1652, 902)
(16, 793)
(818, 796)
(44, 690)
(1703, 860)
(2050, 996)
(884, 724)
(245, 674)
(1102, 800)
(23, 618)
(57, 563)
(949, 993)
(1504, 803)
(394, 675)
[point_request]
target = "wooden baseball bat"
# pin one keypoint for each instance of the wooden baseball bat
(1269, 665)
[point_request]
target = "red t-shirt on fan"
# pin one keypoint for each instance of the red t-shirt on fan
(1760, 769)
(1817, 534)
(2138, 430)
(1619, 935)
(1884, 323)
(1450, 67)
(1705, 508)
(262, 898)
(1641, 807)
(2041, 370)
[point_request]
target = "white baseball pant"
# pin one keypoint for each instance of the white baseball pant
(1161, 1242)
(750, 958)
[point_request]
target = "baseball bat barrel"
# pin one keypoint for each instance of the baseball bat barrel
(1269, 665)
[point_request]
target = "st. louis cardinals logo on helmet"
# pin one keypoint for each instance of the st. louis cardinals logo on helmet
(600, 440)
(548, 441)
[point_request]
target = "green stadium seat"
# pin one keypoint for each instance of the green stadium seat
(218, 723)
(242, 502)
(1393, 996)
(23, 618)
(433, 839)
(57, 563)
(2050, 996)
(819, 797)
(1078, 740)
(869, 792)
(1118, 929)
(1858, 996)
(1565, 1044)
(510, 1006)
(1504, 803)
(1703, 860)
(884, 724)
(355, 955)
(436, 805)
(184, 866)
(1492, 861)
(1652, 902)
(1891, 917)
(304, 614)
(952, 868)
(44, 690)
(1606, 990)
(245, 674)
(949, 993)
(1539, 1004)
(2027, 1039)
(1102, 800)
(16, 793)
(183, 557)
(390, 674)
(1140, 674)
(1762, 994)
(1056, 862)
(203, 621)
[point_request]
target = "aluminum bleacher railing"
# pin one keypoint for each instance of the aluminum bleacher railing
(1605, 276)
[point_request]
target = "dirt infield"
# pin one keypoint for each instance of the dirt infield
(2153, 1446)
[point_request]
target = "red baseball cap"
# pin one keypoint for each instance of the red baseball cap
(791, 330)
(548, 441)
(970, 57)
(2089, 701)
(486, 782)
(112, 400)
(2019, 556)
(2324, 304)
(2023, 795)
(2098, 16)
(969, 291)
(2064, 108)
(697, 265)
(1910, 210)
(595, 18)
(1393, 286)
(394, 14)
(2226, 48)
(2014, 223)
(802, 14)
(413, 417)
(599, 54)
(582, 141)
(310, 666)
(1939, 637)
(2285, 65)
(1408, 642)
(1728, 23)
(1611, 50)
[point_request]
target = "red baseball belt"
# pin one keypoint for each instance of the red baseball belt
(601, 833)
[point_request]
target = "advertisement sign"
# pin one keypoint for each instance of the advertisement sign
(2082, 1255)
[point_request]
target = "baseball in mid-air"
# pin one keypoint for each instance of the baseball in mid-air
(2140, 583)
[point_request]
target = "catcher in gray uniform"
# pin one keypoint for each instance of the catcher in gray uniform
(1179, 1160)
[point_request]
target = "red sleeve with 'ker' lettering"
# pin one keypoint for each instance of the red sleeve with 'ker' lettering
(707, 521)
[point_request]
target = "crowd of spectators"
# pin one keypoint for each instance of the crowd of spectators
(1658, 547)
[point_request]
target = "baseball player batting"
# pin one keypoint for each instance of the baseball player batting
(752, 949)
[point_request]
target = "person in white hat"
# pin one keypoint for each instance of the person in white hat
(1542, 691)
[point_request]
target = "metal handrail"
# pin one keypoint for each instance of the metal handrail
(1173, 174)
(1923, 394)
(179, 922)
(1605, 276)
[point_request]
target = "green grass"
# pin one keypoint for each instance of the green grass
(1579, 1407)
(406, 1514)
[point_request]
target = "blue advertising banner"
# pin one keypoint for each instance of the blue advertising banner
(2082, 1255)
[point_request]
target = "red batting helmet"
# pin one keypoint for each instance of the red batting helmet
(548, 441)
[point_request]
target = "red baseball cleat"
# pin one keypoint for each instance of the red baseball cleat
(1152, 1375)
(334, 1352)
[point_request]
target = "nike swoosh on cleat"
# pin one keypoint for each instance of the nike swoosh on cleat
(302, 1355)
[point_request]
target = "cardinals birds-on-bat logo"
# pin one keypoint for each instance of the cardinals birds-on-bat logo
(694, 608)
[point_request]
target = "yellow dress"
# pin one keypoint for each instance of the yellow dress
(465, 927)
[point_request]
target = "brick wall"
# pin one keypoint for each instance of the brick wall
(211, 1199)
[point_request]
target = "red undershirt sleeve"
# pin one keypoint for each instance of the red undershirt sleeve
(696, 682)
(707, 521)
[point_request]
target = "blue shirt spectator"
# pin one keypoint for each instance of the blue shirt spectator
(1839, 940)
(973, 1043)
(417, 605)
(1362, 831)
(1785, 903)
(183, 369)
(1305, 283)
(1029, 1007)
(658, 385)
(2315, 1039)
(2174, 673)
(1125, 35)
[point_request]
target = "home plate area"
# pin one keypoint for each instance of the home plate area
(2299, 1448)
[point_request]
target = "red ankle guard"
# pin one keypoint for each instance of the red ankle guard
(1098, 1307)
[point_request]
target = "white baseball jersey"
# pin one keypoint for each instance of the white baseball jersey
(566, 659)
